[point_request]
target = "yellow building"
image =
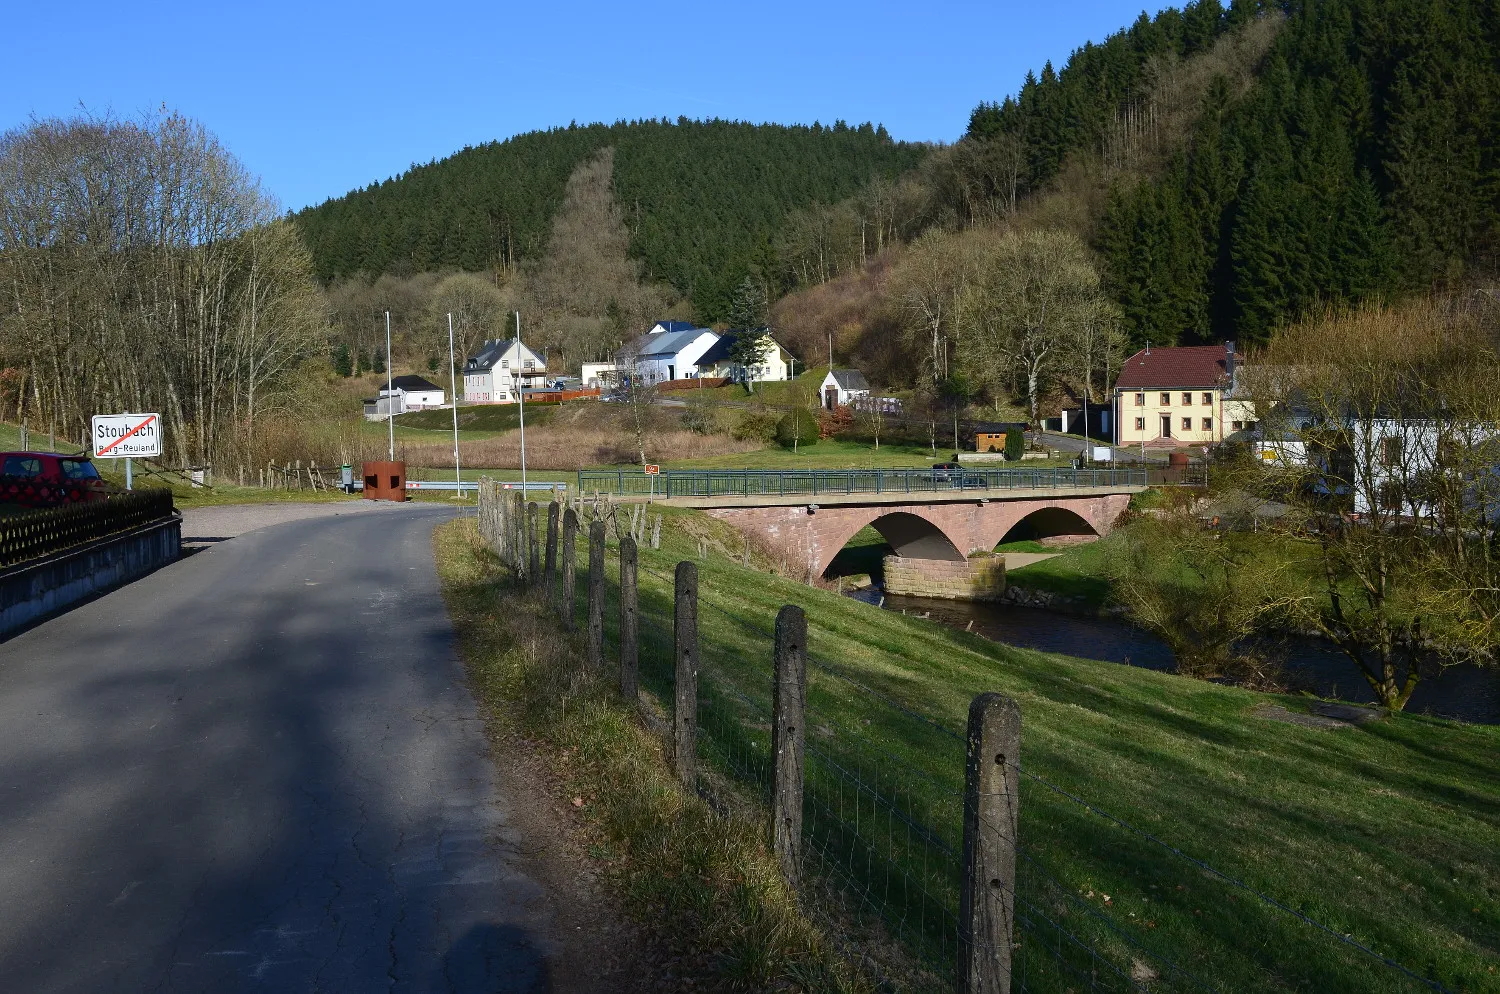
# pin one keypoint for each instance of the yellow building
(1174, 397)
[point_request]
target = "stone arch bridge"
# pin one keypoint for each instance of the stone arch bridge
(938, 515)
(934, 526)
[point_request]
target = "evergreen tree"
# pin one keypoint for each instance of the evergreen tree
(342, 364)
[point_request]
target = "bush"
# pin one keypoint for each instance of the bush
(797, 427)
(755, 426)
(699, 420)
(1015, 444)
(836, 423)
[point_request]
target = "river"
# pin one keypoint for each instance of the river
(1467, 693)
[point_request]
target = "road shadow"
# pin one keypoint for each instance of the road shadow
(496, 959)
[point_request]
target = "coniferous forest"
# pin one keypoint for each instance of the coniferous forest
(702, 200)
(1230, 169)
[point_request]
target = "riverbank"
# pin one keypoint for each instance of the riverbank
(1332, 819)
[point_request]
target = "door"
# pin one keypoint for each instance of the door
(830, 398)
(1166, 426)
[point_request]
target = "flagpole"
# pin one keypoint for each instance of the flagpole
(521, 399)
(390, 393)
(453, 386)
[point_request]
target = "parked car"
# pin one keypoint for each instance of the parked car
(48, 479)
(953, 474)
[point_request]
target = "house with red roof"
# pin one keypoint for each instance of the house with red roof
(1174, 397)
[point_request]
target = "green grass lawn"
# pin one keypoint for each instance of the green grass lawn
(1083, 571)
(1388, 832)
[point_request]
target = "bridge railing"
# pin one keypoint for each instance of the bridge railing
(835, 482)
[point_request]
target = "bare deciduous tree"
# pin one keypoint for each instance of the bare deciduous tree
(1036, 300)
(1385, 426)
(143, 268)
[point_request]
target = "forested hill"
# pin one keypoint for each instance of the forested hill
(703, 200)
(1362, 163)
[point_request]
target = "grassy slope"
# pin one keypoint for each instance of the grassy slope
(1387, 832)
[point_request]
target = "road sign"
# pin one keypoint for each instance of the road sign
(127, 436)
(652, 469)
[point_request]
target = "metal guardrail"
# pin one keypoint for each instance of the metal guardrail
(814, 483)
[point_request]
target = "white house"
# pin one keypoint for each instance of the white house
(596, 375)
(492, 376)
(775, 362)
(417, 393)
(842, 387)
(666, 355)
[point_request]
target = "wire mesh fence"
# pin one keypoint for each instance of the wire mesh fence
(886, 855)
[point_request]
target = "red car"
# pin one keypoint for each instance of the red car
(47, 479)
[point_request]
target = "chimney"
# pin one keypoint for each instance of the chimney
(1229, 362)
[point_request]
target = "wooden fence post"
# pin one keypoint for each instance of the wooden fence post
(787, 724)
(991, 824)
(685, 703)
(533, 537)
(596, 595)
(629, 651)
(569, 546)
(549, 570)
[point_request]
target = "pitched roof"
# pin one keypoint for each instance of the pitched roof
(850, 379)
(493, 351)
(1175, 366)
(719, 351)
(667, 327)
(413, 383)
(664, 343)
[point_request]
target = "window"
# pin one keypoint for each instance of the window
(1390, 450)
(1140, 424)
(21, 466)
(530, 363)
(1208, 424)
(504, 363)
(1187, 399)
(79, 469)
(1238, 425)
(1140, 399)
(1208, 400)
(1166, 399)
(1390, 496)
(1255, 426)
(1187, 424)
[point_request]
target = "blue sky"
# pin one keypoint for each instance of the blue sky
(317, 99)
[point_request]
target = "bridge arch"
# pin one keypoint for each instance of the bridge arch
(1012, 521)
(911, 536)
(1049, 522)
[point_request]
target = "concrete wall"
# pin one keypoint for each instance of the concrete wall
(980, 579)
(34, 590)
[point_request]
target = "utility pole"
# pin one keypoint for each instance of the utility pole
(453, 386)
(390, 395)
(521, 400)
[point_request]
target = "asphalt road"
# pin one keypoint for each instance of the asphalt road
(259, 769)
